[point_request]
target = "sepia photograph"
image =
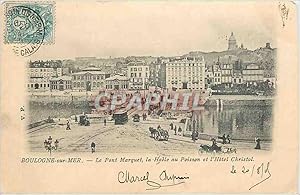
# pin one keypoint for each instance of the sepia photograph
(182, 100)
(149, 97)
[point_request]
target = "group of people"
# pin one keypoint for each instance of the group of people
(48, 143)
(177, 131)
(226, 139)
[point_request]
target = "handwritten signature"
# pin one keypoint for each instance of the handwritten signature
(262, 171)
(164, 179)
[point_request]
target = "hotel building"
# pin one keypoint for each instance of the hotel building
(186, 73)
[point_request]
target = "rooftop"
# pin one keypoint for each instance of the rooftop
(91, 69)
(138, 63)
(61, 78)
(88, 72)
(117, 77)
(187, 59)
(45, 64)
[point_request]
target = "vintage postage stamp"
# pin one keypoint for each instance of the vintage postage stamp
(28, 22)
(28, 26)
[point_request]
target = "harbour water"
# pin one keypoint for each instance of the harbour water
(240, 122)
(39, 111)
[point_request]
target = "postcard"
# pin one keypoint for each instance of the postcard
(149, 97)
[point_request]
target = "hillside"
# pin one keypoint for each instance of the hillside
(265, 57)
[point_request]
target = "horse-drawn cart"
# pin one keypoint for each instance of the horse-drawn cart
(83, 120)
(159, 134)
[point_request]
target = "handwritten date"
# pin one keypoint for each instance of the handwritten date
(260, 173)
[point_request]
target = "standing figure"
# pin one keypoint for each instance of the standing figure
(171, 125)
(56, 144)
(179, 130)
(49, 140)
(104, 122)
(75, 118)
(224, 139)
(175, 129)
(257, 140)
(194, 136)
(228, 139)
(93, 147)
(68, 125)
(45, 143)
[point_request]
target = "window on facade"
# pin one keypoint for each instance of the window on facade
(140, 74)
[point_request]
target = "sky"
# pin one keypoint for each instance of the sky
(157, 28)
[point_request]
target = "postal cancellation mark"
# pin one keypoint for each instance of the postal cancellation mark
(28, 26)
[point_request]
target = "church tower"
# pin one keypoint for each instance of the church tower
(232, 45)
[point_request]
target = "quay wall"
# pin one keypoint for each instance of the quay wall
(225, 100)
(267, 102)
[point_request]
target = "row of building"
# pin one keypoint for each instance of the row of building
(131, 73)
(176, 73)
(230, 74)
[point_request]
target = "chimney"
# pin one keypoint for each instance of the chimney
(268, 45)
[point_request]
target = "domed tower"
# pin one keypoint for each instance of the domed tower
(232, 45)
